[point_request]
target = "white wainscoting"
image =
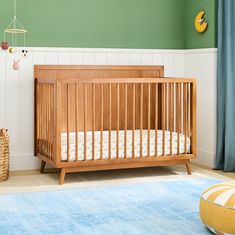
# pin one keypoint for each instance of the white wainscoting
(16, 89)
(202, 64)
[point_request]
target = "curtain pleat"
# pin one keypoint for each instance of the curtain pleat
(225, 147)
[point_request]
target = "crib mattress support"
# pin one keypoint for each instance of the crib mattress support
(117, 166)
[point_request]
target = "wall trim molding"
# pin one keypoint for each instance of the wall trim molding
(201, 51)
(122, 50)
(104, 50)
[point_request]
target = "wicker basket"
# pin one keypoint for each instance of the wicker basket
(4, 155)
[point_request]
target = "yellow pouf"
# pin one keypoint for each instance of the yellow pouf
(217, 208)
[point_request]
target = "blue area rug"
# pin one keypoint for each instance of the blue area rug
(153, 208)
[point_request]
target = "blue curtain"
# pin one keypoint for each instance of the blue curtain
(225, 148)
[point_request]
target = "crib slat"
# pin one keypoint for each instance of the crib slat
(52, 122)
(76, 119)
(141, 120)
(43, 121)
(117, 138)
(163, 116)
(46, 121)
(49, 123)
(189, 109)
(42, 118)
(101, 120)
(85, 121)
(171, 111)
(156, 120)
(125, 123)
(39, 117)
(149, 113)
(185, 116)
(68, 123)
(133, 122)
(193, 121)
(178, 114)
(93, 121)
(166, 106)
(110, 119)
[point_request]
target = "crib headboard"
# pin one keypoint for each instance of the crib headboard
(97, 71)
(53, 73)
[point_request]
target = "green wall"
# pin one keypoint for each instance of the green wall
(194, 39)
(161, 24)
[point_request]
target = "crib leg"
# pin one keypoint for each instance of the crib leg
(42, 167)
(62, 175)
(188, 167)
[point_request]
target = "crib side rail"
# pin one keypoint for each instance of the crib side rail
(45, 120)
(117, 107)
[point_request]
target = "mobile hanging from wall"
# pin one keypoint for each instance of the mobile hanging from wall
(15, 31)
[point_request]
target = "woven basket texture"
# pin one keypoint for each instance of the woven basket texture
(4, 155)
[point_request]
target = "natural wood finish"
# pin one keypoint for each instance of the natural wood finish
(149, 113)
(110, 118)
(156, 120)
(85, 120)
(62, 176)
(178, 114)
(43, 163)
(163, 117)
(188, 167)
(193, 118)
(93, 121)
(171, 114)
(133, 121)
(185, 116)
(101, 120)
(125, 122)
(141, 120)
(111, 98)
(76, 120)
(118, 122)
(125, 166)
(68, 122)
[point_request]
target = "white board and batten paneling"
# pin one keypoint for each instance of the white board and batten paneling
(17, 98)
(202, 64)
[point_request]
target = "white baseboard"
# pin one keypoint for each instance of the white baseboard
(24, 162)
(205, 158)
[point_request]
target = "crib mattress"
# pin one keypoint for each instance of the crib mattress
(72, 145)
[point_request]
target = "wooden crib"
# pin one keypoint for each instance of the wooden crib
(90, 118)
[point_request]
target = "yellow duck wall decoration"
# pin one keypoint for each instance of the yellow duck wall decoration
(200, 23)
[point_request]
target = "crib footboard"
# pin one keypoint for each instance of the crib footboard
(114, 123)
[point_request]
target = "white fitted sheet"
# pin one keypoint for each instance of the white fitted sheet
(121, 144)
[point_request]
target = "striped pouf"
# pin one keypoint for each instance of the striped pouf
(217, 208)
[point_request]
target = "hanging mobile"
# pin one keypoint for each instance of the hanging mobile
(15, 28)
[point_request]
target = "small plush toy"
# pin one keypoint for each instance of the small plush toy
(24, 54)
(4, 46)
(12, 50)
(16, 64)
